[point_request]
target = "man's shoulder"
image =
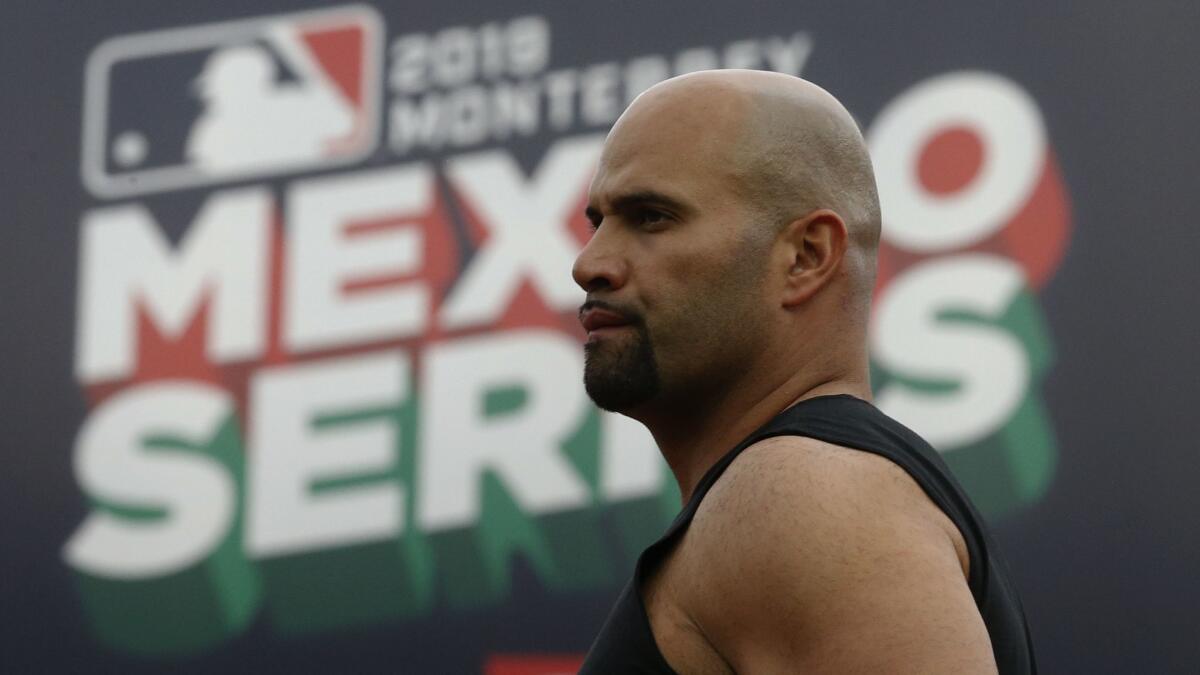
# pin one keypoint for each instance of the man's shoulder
(794, 487)
(797, 481)
(829, 543)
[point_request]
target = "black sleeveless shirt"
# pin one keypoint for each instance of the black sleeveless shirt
(626, 644)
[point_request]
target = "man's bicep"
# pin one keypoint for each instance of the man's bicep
(825, 566)
(890, 610)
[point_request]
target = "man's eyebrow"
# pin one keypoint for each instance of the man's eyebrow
(640, 198)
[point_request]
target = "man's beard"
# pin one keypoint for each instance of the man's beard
(620, 375)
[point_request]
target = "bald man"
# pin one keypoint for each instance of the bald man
(728, 290)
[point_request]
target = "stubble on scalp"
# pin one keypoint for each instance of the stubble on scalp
(800, 150)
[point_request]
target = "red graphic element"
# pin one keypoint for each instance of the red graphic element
(950, 160)
(184, 356)
(340, 51)
(440, 267)
(437, 248)
(533, 664)
(526, 308)
(1035, 237)
(164, 357)
(578, 224)
(236, 376)
(275, 351)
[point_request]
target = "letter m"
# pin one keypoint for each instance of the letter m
(127, 265)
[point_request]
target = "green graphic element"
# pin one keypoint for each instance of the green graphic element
(189, 611)
(636, 523)
(1013, 467)
(640, 522)
(565, 550)
(364, 583)
(589, 548)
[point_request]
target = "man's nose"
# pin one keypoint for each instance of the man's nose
(598, 266)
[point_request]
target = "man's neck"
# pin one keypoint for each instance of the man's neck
(694, 438)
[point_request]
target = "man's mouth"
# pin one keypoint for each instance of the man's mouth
(599, 319)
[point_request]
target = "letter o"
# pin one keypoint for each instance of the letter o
(1006, 120)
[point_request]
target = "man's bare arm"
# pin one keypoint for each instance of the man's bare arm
(808, 557)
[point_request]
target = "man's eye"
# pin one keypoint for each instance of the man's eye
(652, 217)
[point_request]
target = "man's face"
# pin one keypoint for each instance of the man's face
(674, 272)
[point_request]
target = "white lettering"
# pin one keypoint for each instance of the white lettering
(126, 259)
(516, 108)
(459, 55)
(467, 115)
(319, 313)
(1010, 127)
(742, 54)
(114, 463)
(986, 365)
(643, 73)
(599, 100)
(521, 447)
(526, 234)
(698, 58)
(409, 64)
(290, 451)
(528, 45)
(453, 59)
(630, 463)
(560, 98)
(788, 56)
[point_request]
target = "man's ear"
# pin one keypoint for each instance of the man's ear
(815, 246)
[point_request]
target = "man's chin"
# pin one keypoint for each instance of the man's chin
(620, 371)
(615, 401)
(619, 391)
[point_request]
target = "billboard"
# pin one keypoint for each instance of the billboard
(317, 379)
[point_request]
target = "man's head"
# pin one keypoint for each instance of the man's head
(736, 220)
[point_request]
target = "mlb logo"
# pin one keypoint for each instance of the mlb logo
(187, 107)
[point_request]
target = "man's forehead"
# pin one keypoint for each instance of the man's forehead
(682, 171)
(639, 178)
(681, 143)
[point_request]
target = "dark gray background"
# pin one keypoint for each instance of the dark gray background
(1107, 562)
